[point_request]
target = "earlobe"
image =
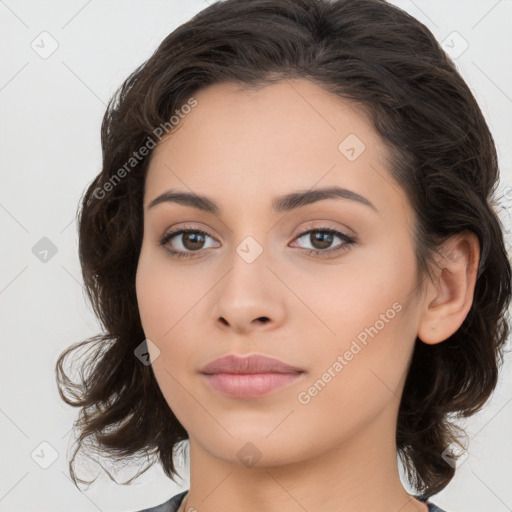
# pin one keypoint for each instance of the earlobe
(448, 300)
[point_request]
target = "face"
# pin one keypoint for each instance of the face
(324, 284)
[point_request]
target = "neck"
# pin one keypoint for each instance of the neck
(359, 474)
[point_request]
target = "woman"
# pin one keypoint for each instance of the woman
(292, 248)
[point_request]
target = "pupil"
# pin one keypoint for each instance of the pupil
(325, 239)
(194, 238)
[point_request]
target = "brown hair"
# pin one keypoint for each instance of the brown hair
(444, 157)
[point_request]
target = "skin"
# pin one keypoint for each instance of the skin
(242, 149)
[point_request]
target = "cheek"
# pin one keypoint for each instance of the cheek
(362, 299)
(149, 292)
(360, 374)
(166, 307)
(371, 321)
(164, 294)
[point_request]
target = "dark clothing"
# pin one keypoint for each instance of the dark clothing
(173, 504)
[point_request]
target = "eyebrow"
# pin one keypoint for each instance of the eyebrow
(283, 203)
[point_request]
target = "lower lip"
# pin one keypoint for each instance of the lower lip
(249, 385)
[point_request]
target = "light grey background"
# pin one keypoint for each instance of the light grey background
(51, 108)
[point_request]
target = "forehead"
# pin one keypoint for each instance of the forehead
(279, 113)
(281, 137)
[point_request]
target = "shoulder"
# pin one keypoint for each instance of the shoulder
(170, 505)
(434, 508)
(174, 503)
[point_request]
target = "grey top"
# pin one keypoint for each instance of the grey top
(173, 504)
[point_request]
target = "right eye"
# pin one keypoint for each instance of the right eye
(192, 240)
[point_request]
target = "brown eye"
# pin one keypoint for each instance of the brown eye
(322, 238)
(192, 241)
(184, 242)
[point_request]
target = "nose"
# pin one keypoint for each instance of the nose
(249, 296)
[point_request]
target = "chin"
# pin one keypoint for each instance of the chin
(253, 447)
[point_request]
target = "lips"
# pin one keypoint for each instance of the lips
(246, 377)
(248, 365)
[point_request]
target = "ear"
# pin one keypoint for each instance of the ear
(448, 300)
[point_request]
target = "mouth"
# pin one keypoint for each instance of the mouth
(249, 376)
(249, 385)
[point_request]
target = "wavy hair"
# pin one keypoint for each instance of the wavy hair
(443, 156)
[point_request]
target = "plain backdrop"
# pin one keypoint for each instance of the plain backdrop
(60, 63)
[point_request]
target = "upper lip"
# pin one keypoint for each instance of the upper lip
(256, 363)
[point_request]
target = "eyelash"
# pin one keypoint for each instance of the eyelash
(348, 242)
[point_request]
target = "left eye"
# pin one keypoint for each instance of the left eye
(192, 241)
(324, 237)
